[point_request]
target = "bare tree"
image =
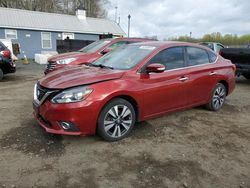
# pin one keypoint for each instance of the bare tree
(95, 8)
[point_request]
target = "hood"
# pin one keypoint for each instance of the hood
(78, 75)
(81, 57)
(66, 55)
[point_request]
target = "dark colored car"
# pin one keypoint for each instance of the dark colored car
(133, 83)
(89, 53)
(6, 64)
(240, 57)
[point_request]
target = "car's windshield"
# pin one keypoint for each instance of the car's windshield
(125, 57)
(93, 47)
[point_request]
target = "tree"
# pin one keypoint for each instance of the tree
(227, 39)
(95, 8)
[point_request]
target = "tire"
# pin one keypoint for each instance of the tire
(247, 76)
(116, 120)
(1, 74)
(218, 98)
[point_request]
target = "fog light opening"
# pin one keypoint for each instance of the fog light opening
(65, 125)
(68, 126)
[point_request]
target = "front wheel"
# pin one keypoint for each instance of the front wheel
(1, 74)
(218, 97)
(116, 120)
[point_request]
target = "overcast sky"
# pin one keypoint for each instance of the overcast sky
(172, 18)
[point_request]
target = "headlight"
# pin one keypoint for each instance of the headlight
(35, 92)
(65, 61)
(72, 95)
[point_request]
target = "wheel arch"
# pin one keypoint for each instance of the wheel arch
(128, 98)
(225, 83)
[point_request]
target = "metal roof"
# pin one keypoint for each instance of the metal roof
(34, 20)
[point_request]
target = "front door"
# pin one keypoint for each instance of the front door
(166, 91)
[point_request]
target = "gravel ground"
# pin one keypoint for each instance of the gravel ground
(192, 148)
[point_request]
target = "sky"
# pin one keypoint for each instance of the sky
(172, 18)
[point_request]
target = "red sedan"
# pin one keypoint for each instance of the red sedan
(89, 53)
(133, 83)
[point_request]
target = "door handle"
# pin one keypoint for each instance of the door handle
(212, 73)
(183, 79)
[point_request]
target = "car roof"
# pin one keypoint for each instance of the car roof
(129, 39)
(167, 44)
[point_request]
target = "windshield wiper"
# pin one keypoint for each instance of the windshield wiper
(101, 66)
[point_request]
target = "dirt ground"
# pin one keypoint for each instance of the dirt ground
(192, 148)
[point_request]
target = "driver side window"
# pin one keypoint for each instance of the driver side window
(172, 58)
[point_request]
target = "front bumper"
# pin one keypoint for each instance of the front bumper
(83, 115)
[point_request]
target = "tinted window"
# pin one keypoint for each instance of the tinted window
(212, 56)
(172, 58)
(197, 56)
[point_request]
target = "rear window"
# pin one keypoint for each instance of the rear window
(197, 56)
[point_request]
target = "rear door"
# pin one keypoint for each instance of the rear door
(166, 91)
(202, 74)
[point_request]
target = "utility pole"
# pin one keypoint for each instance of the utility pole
(190, 35)
(119, 20)
(116, 14)
(129, 17)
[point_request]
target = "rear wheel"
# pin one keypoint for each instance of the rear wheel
(218, 97)
(116, 120)
(247, 76)
(1, 74)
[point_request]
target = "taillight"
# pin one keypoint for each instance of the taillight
(5, 53)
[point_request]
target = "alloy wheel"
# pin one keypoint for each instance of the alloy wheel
(118, 121)
(219, 97)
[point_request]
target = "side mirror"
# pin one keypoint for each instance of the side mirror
(106, 50)
(156, 68)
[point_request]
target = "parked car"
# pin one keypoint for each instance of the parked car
(133, 83)
(89, 53)
(240, 57)
(216, 47)
(6, 64)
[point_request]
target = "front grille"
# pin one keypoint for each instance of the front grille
(51, 66)
(42, 91)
